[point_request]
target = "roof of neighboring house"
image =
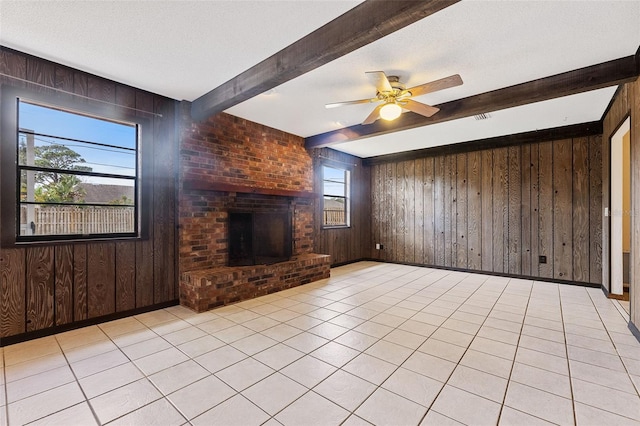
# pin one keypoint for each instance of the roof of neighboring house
(94, 193)
(333, 204)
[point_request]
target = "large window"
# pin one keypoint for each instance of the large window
(75, 174)
(335, 184)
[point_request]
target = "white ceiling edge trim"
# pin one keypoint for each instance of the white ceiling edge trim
(575, 109)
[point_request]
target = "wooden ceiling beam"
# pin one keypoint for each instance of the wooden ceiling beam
(365, 23)
(593, 77)
(544, 135)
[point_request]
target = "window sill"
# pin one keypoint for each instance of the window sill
(44, 241)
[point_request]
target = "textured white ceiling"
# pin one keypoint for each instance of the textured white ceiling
(576, 109)
(183, 49)
(177, 48)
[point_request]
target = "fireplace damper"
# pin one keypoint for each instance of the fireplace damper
(259, 237)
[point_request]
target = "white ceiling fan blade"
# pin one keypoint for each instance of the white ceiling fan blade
(419, 108)
(434, 86)
(380, 80)
(361, 101)
(375, 114)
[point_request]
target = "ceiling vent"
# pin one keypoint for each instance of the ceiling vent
(483, 116)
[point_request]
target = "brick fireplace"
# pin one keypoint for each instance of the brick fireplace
(231, 165)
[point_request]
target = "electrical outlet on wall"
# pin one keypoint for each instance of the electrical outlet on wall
(542, 259)
(379, 246)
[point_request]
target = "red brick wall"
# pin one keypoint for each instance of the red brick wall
(228, 149)
(236, 151)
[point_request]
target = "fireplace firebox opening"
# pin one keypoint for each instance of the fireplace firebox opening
(259, 237)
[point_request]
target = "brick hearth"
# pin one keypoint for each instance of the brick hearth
(206, 289)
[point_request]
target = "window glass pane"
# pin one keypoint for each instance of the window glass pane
(334, 211)
(335, 208)
(75, 220)
(334, 181)
(50, 187)
(52, 152)
(95, 194)
(49, 121)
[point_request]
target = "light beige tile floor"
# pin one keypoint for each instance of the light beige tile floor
(376, 343)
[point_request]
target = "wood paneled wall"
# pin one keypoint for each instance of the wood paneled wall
(43, 286)
(344, 244)
(626, 104)
(495, 210)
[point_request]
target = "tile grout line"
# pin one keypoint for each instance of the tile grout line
(465, 351)
(132, 362)
(524, 316)
(635, 386)
(566, 344)
(379, 386)
(77, 382)
(416, 350)
(368, 296)
(352, 412)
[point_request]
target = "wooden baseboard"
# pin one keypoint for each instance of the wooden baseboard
(624, 296)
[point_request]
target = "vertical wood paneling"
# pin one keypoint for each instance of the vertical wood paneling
(101, 89)
(526, 210)
(12, 291)
(449, 217)
(409, 212)
(63, 78)
(80, 84)
(13, 64)
(474, 209)
(500, 210)
(595, 209)
(487, 210)
(562, 199)
(384, 212)
(63, 284)
(497, 209)
(514, 203)
(144, 248)
(391, 252)
(362, 235)
(101, 289)
(429, 212)
(125, 276)
(545, 208)
(400, 208)
(419, 184)
(535, 246)
(439, 210)
(376, 208)
(461, 211)
(580, 209)
(80, 281)
(163, 204)
(41, 72)
(40, 288)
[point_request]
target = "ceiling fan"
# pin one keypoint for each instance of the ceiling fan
(395, 97)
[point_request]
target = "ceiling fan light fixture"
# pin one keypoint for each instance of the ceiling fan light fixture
(390, 111)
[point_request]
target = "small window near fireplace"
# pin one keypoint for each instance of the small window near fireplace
(335, 206)
(259, 237)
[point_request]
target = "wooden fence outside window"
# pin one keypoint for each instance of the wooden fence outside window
(75, 220)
